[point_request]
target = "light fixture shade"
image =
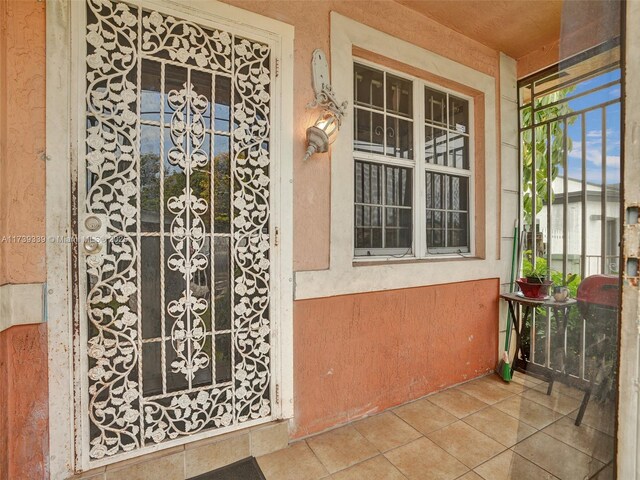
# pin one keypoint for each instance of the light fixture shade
(328, 123)
(317, 141)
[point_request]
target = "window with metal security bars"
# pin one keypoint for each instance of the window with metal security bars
(447, 172)
(412, 143)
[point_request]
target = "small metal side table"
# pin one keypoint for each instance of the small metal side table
(560, 310)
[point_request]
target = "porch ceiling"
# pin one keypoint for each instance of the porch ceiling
(515, 27)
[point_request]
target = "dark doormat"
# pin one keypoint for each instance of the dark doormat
(247, 469)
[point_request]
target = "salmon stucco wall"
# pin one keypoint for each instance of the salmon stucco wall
(22, 141)
(24, 439)
(23, 349)
(4, 401)
(359, 354)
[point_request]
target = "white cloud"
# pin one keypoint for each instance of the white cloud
(613, 161)
(594, 149)
(594, 155)
(598, 133)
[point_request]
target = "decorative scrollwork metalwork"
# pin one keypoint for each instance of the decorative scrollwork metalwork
(186, 42)
(325, 96)
(188, 231)
(122, 416)
(326, 100)
(251, 213)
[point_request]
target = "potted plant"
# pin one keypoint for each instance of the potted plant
(563, 288)
(533, 284)
(536, 274)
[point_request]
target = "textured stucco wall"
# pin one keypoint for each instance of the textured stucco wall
(360, 354)
(4, 463)
(22, 165)
(23, 373)
(23, 349)
(4, 401)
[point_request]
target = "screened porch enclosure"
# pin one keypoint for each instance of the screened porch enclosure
(570, 153)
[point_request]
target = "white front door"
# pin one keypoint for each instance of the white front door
(174, 214)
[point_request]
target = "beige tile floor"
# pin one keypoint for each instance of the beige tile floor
(481, 430)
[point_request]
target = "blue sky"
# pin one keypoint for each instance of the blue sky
(594, 131)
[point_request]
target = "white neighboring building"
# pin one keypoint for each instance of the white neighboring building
(594, 254)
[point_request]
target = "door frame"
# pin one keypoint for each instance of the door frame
(63, 113)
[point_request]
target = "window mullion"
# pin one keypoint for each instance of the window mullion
(419, 196)
(446, 180)
(383, 200)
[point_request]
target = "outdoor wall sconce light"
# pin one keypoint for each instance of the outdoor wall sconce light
(326, 126)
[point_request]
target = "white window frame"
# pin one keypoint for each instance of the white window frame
(346, 276)
(419, 166)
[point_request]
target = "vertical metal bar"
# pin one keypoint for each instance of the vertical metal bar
(533, 229)
(583, 246)
(583, 196)
(232, 243)
(383, 201)
(548, 338)
(532, 334)
(138, 220)
(583, 327)
(212, 218)
(603, 195)
(565, 197)
(188, 270)
(549, 197)
(533, 103)
(163, 318)
(549, 209)
(534, 199)
(565, 335)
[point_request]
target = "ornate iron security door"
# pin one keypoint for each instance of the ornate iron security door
(174, 222)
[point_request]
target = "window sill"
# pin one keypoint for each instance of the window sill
(376, 261)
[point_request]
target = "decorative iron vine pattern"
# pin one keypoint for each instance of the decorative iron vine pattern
(186, 42)
(121, 419)
(251, 229)
(188, 231)
(113, 351)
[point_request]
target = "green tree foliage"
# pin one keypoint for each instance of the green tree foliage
(547, 108)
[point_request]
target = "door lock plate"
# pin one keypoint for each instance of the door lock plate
(93, 231)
